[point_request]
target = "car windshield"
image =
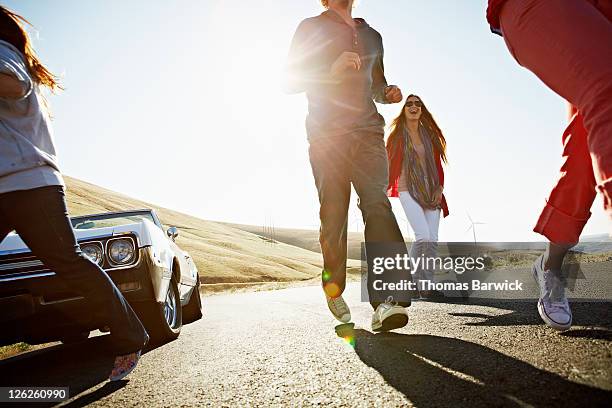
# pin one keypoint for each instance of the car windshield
(110, 220)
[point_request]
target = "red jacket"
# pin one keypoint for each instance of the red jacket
(495, 6)
(493, 10)
(396, 160)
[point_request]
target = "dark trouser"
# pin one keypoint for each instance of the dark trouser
(360, 158)
(40, 217)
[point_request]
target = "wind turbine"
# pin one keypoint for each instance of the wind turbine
(473, 226)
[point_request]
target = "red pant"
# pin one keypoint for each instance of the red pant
(568, 45)
(567, 209)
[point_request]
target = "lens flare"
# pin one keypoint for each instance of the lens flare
(350, 340)
(326, 275)
(332, 290)
(347, 333)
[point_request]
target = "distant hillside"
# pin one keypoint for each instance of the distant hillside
(222, 253)
(307, 239)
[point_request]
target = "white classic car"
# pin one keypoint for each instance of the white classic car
(159, 280)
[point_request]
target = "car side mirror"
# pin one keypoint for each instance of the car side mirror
(172, 233)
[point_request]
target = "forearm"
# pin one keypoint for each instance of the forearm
(379, 94)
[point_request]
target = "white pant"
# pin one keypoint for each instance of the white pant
(425, 224)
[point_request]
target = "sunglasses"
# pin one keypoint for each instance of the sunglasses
(418, 104)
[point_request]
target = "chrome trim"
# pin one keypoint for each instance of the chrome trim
(14, 251)
(95, 237)
(119, 213)
(134, 265)
(22, 264)
(54, 302)
(81, 244)
(26, 275)
(119, 265)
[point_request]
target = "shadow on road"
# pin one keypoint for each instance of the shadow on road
(434, 371)
(79, 366)
(524, 312)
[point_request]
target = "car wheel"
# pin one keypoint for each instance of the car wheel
(192, 311)
(163, 321)
(72, 338)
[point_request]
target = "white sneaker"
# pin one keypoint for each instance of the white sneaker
(389, 316)
(339, 308)
(552, 305)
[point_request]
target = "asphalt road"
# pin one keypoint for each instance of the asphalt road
(282, 348)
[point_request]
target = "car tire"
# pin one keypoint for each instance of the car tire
(73, 338)
(192, 311)
(163, 321)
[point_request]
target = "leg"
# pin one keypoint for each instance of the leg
(370, 178)
(433, 221)
(330, 167)
(422, 236)
(574, 62)
(568, 207)
(41, 220)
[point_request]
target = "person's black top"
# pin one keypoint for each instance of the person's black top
(337, 107)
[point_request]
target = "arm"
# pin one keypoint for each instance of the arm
(11, 87)
(381, 91)
(379, 82)
(306, 66)
(15, 80)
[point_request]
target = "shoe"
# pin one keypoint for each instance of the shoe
(552, 305)
(389, 316)
(123, 366)
(339, 308)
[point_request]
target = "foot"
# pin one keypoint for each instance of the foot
(552, 305)
(339, 308)
(389, 316)
(123, 366)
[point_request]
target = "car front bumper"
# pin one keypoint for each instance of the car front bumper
(38, 307)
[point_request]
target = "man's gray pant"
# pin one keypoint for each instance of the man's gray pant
(361, 159)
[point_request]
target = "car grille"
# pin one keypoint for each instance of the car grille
(21, 266)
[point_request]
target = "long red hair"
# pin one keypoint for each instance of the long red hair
(12, 31)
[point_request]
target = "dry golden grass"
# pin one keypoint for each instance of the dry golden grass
(307, 239)
(222, 253)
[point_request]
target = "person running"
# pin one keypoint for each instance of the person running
(338, 61)
(576, 63)
(32, 200)
(416, 149)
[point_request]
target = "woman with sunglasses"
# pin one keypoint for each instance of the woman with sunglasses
(416, 148)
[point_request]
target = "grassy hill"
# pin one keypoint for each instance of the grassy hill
(223, 253)
(307, 239)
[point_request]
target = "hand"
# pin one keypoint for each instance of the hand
(393, 94)
(348, 60)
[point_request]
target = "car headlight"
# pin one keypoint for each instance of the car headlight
(121, 251)
(93, 252)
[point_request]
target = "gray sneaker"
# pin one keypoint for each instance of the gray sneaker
(339, 308)
(552, 305)
(389, 316)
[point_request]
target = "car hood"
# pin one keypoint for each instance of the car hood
(13, 243)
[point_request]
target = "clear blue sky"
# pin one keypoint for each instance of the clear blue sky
(179, 103)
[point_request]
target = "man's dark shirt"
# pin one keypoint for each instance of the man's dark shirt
(337, 107)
